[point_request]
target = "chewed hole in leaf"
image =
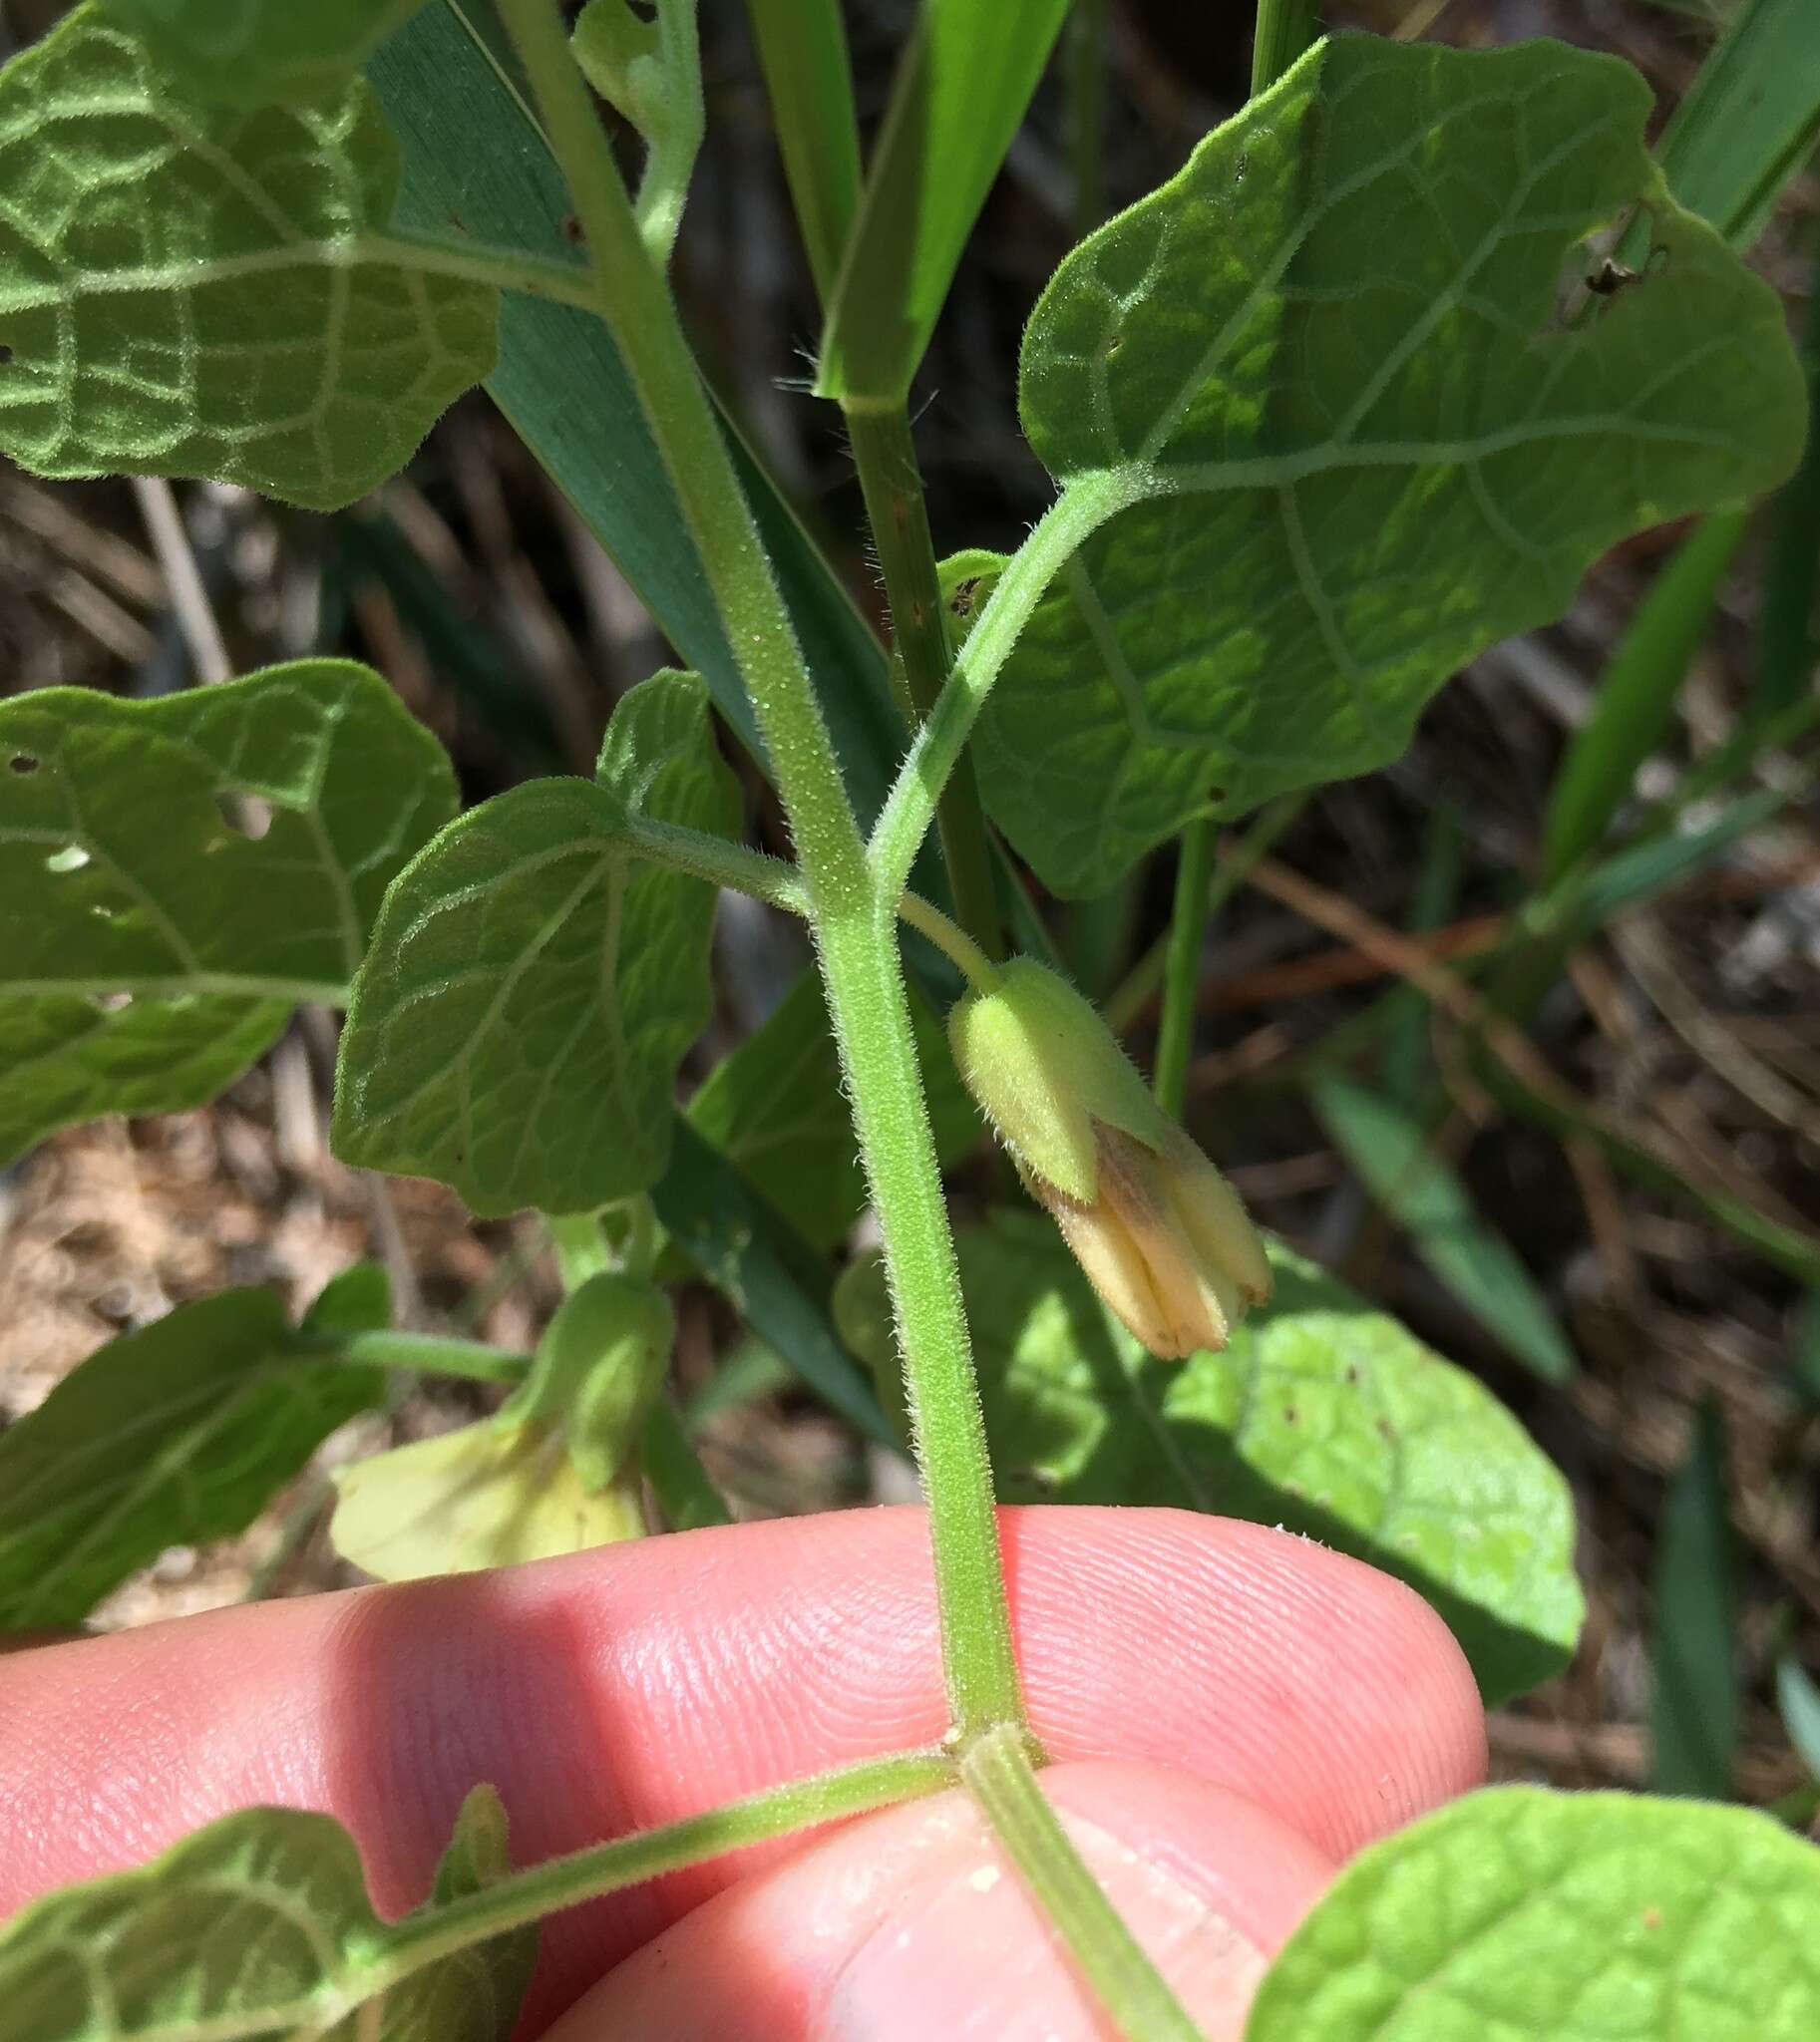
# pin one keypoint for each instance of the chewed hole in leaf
(246, 815)
(71, 858)
(21, 763)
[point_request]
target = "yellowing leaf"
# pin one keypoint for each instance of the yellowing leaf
(483, 1495)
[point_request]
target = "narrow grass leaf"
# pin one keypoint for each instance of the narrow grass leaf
(736, 1238)
(1634, 706)
(1693, 1718)
(962, 84)
(1750, 118)
(777, 1108)
(475, 162)
(1387, 1146)
(1798, 1699)
(802, 46)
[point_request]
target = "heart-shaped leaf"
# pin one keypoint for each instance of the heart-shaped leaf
(1578, 1917)
(151, 944)
(1347, 429)
(532, 985)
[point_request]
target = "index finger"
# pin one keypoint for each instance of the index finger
(636, 1683)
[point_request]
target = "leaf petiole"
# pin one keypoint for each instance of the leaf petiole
(528, 1895)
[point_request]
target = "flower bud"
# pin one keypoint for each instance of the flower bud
(1160, 1232)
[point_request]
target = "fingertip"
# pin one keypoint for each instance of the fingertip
(912, 1923)
(1262, 1660)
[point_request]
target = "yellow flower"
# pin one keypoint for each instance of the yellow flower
(1160, 1232)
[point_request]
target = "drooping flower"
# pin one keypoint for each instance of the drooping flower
(1160, 1232)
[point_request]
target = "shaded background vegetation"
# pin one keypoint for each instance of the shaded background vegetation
(1690, 1023)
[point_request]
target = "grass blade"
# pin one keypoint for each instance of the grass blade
(1785, 631)
(1750, 118)
(1388, 1149)
(1636, 695)
(475, 159)
(962, 84)
(802, 47)
(1694, 1713)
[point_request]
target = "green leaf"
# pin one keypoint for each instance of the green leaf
(251, 53)
(775, 1107)
(477, 1857)
(1388, 1147)
(179, 1433)
(532, 985)
(1578, 1917)
(150, 947)
(962, 88)
(1322, 1415)
(196, 292)
(739, 1241)
(1798, 1701)
(475, 159)
(1693, 1717)
(1750, 118)
(487, 1495)
(1337, 436)
(1638, 691)
(259, 1928)
(802, 48)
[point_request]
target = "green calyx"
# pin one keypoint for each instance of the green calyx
(596, 1372)
(1043, 1068)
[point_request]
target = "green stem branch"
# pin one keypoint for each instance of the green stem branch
(1188, 918)
(1284, 29)
(851, 911)
(885, 457)
(528, 1895)
(951, 941)
(507, 269)
(1081, 509)
(431, 1354)
(999, 1776)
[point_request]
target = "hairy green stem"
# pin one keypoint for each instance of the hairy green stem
(507, 269)
(634, 298)
(1086, 81)
(525, 1896)
(885, 457)
(1081, 509)
(851, 912)
(1284, 29)
(1145, 978)
(953, 941)
(431, 1354)
(865, 979)
(1001, 1779)
(1182, 965)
